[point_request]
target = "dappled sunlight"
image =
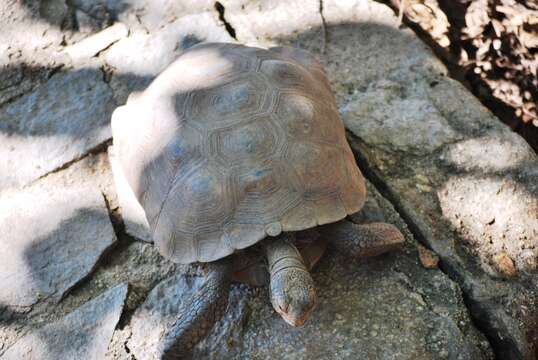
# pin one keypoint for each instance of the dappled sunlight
(273, 19)
(211, 149)
(59, 122)
(54, 241)
(22, 37)
(84, 332)
(397, 116)
(160, 107)
(358, 12)
(374, 71)
(223, 67)
(132, 213)
(490, 153)
(493, 203)
(381, 116)
(144, 54)
(34, 33)
(389, 88)
(497, 217)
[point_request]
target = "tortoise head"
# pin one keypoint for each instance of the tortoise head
(293, 295)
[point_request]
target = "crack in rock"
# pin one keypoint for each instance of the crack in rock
(220, 9)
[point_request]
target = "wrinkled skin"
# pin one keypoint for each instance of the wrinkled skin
(292, 289)
(215, 120)
(293, 294)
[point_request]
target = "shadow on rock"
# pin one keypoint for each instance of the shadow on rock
(54, 125)
(447, 164)
(68, 115)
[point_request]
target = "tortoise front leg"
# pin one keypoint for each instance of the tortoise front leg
(292, 290)
(365, 240)
(199, 313)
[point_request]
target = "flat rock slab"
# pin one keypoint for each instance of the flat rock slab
(92, 45)
(132, 213)
(153, 320)
(463, 181)
(52, 238)
(59, 122)
(23, 39)
(152, 15)
(138, 58)
(83, 334)
(262, 22)
(385, 307)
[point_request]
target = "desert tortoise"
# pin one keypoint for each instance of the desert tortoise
(234, 144)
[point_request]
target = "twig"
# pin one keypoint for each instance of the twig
(323, 28)
(401, 10)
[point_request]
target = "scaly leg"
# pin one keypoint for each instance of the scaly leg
(365, 240)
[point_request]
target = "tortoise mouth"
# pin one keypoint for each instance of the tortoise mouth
(294, 320)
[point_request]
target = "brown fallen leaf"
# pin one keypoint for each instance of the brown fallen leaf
(427, 258)
(505, 265)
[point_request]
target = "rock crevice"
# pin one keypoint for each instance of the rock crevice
(417, 136)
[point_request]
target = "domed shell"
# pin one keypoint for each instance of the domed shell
(231, 144)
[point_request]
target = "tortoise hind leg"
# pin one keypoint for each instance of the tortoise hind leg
(199, 312)
(365, 240)
(292, 290)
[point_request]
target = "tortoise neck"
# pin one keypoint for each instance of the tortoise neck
(282, 254)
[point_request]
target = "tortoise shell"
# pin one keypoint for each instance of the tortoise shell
(231, 144)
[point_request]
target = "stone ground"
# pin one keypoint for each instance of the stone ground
(78, 276)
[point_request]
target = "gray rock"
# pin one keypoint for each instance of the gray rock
(28, 48)
(91, 16)
(53, 237)
(395, 126)
(137, 59)
(135, 262)
(386, 307)
(93, 44)
(261, 22)
(498, 219)
(19, 79)
(462, 180)
(141, 15)
(132, 213)
(228, 331)
(417, 132)
(152, 15)
(341, 11)
(85, 23)
(60, 121)
(158, 314)
(83, 334)
(54, 11)
(30, 41)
